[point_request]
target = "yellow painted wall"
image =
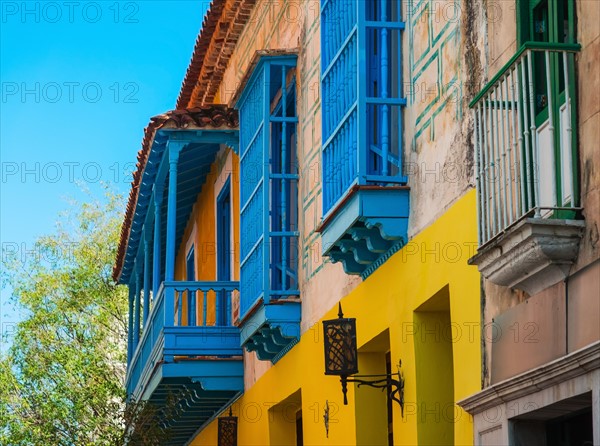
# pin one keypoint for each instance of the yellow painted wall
(434, 407)
(371, 424)
(435, 260)
(200, 229)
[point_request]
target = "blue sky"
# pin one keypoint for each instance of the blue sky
(79, 82)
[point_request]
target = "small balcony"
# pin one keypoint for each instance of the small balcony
(188, 349)
(526, 169)
(365, 196)
(270, 308)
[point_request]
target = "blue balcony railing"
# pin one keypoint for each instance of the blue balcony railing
(167, 337)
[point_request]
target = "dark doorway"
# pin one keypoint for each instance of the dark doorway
(223, 250)
(564, 423)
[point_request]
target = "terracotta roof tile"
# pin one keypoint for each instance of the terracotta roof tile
(221, 28)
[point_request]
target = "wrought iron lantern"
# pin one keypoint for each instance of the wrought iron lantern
(227, 435)
(341, 359)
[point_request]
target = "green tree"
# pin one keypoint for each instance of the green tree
(62, 380)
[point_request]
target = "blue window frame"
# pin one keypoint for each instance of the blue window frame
(223, 250)
(269, 184)
(362, 97)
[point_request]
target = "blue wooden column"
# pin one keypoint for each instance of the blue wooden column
(158, 196)
(136, 320)
(130, 350)
(146, 279)
(283, 205)
(173, 148)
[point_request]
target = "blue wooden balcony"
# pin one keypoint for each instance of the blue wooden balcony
(187, 352)
(365, 197)
(181, 342)
(270, 301)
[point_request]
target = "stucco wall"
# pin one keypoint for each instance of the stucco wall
(442, 69)
(588, 131)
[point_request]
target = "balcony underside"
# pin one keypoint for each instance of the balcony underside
(532, 255)
(184, 406)
(200, 368)
(272, 330)
(366, 228)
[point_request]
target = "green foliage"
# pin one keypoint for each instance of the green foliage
(62, 380)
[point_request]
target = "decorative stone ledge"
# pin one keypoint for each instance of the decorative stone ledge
(560, 370)
(532, 255)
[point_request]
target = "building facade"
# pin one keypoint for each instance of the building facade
(334, 155)
(538, 251)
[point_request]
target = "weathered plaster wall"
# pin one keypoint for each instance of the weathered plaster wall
(588, 132)
(441, 65)
(501, 19)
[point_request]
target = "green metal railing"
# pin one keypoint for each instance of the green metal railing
(525, 140)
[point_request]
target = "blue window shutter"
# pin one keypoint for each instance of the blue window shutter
(362, 95)
(190, 274)
(223, 252)
(268, 192)
(252, 185)
(339, 87)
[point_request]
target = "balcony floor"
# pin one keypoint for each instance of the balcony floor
(272, 330)
(201, 368)
(366, 228)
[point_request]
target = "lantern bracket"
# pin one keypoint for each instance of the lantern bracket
(341, 359)
(394, 382)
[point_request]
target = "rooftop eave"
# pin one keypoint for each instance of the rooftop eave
(221, 29)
